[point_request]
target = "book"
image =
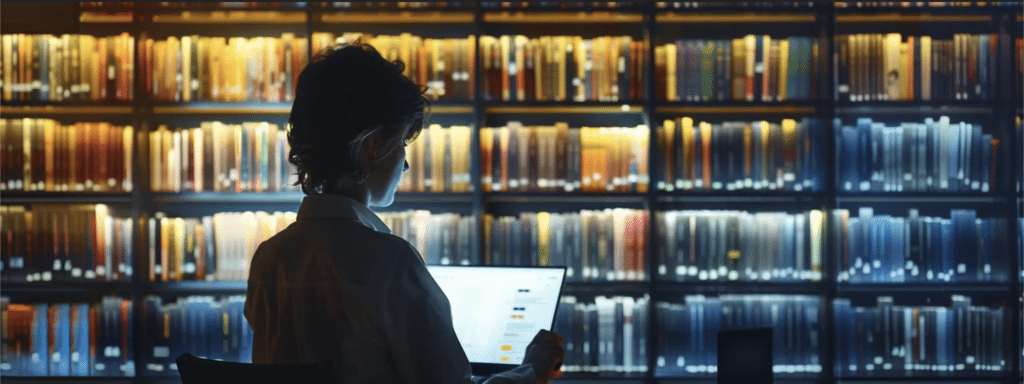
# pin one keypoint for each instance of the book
(212, 328)
(603, 335)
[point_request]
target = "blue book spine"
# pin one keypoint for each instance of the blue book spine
(713, 324)
(985, 248)
(38, 359)
(955, 166)
(965, 243)
(80, 340)
(844, 349)
(983, 44)
(127, 351)
(898, 248)
(948, 251)
(60, 355)
(864, 144)
(876, 248)
(698, 164)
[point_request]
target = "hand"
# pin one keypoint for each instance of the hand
(545, 353)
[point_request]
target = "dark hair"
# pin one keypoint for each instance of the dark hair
(345, 96)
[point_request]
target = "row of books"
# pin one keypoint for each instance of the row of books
(740, 246)
(884, 67)
(49, 68)
(44, 155)
(252, 156)
(1020, 248)
(898, 340)
(206, 327)
(445, 66)
(439, 160)
(518, 158)
(737, 155)
(885, 249)
(440, 238)
(217, 247)
(199, 68)
(606, 335)
(689, 331)
(733, 4)
(606, 245)
(65, 242)
(923, 4)
(67, 339)
(190, 5)
(749, 68)
(936, 155)
(562, 68)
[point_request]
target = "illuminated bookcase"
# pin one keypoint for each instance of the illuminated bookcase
(666, 288)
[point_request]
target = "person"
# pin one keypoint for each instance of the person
(335, 284)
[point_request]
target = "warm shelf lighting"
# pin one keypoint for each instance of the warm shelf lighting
(749, 17)
(397, 17)
(64, 110)
(232, 17)
(901, 18)
(562, 17)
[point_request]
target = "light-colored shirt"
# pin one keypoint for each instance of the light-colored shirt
(337, 285)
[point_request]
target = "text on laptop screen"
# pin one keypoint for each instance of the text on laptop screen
(496, 311)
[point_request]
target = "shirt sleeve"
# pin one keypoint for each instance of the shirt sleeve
(418, 321)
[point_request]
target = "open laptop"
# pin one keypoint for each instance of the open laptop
(497, 310)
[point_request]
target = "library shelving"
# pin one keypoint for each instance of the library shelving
(754, 188)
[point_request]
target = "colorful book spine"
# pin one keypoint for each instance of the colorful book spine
(67, 68)
(67, 339)
(60, 242)
(440, 238)
(210, 248)
(608, 245)
(558, 158)
(219, 157)
(42, 155)
(207, 327)
(444, 149)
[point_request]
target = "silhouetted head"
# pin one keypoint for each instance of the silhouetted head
(353, 112)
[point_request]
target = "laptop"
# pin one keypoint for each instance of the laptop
(497, 310)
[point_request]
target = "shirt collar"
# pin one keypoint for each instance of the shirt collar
(337, 206)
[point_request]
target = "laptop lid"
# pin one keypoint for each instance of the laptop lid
(497, 310)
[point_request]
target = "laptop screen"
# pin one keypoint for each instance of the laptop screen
(496, 311)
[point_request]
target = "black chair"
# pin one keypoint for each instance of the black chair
(745, 356)
(197, 370)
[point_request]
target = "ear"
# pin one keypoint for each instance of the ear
(371, 152)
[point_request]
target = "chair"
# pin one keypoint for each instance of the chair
(197, 370)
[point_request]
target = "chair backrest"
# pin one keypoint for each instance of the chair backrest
(197, 370)
(745, 356)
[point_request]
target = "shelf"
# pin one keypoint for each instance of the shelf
(74, 287)
(215, 108)
(564, 198)
(231, 17)
(67, 379)
(911, 18)
(433, 198)
(605, 288)
(450, 109)
(196, 287)
(396, 17)
(229, 197)
(736, 18)
(952, 197)
(919, 108)
(740, 287)
(937, 287)
(14, 197)
(930, 380)
(567, 108)
(92, 17)
(728, 109)
(562, 17)
(740, 197)
(66, 110)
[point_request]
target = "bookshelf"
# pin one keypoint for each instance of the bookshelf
(646, 23)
